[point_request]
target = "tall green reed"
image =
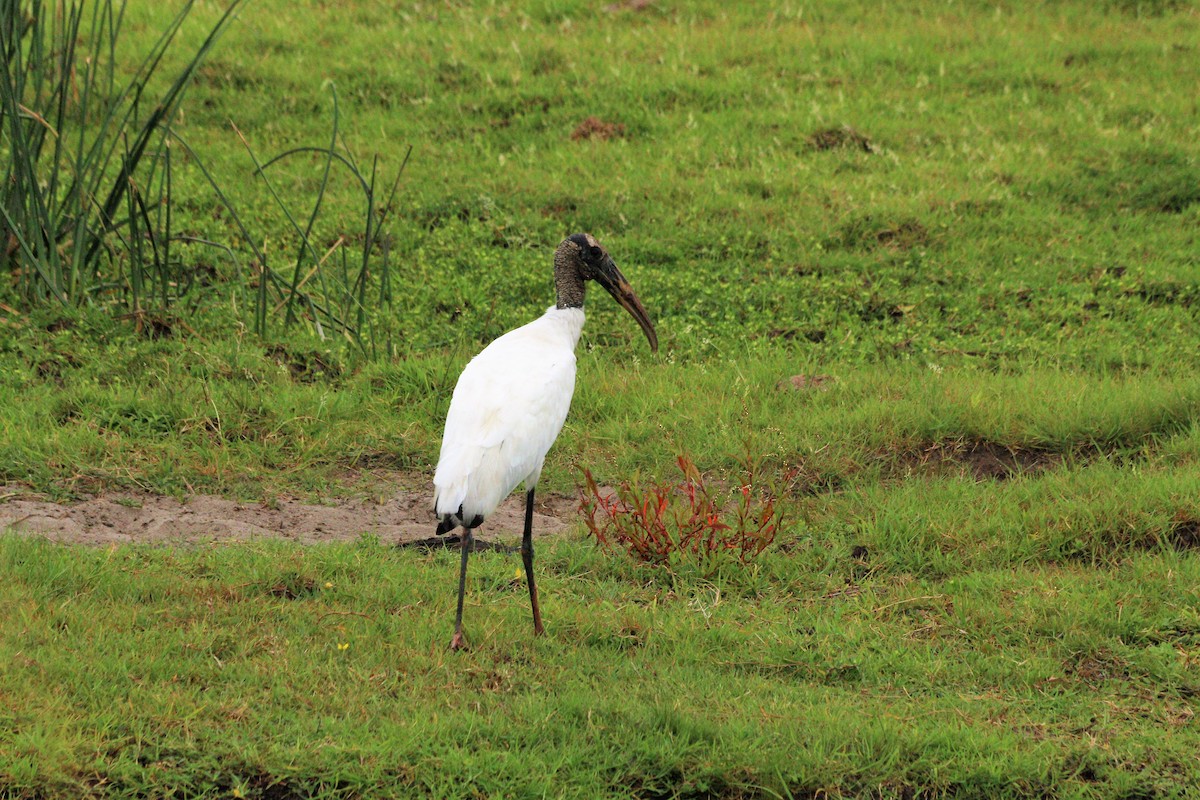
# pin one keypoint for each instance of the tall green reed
(341, 291)
(85, 205)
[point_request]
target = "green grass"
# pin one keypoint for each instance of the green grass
(987, 584)
(1024, 200)
(275, 671)
(86, 199)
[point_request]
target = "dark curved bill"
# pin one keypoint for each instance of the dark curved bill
(614, 282)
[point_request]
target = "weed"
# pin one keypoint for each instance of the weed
(662, 523)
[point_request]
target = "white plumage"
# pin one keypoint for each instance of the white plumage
(508, 408)
(511, 402)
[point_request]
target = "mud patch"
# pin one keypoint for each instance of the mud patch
(1096, 667)
(305, 366)
(126, 518)
(982, 460)
(1168, 293)
(596, 128)
(1185, 533)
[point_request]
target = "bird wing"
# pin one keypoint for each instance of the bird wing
(508, 407)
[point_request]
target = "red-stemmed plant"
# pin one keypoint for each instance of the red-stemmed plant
(662, 521)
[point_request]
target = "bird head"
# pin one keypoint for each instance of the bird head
(591, 262)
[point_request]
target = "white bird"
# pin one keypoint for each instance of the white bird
(510, 403)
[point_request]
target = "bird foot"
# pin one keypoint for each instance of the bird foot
(458, 641)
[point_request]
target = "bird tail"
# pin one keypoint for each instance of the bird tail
(448, 516)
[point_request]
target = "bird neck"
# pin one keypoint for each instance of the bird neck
(568, 283)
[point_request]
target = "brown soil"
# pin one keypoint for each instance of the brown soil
(596, 128)
(1185, 533)
(806, 383)
(125, 517)
(982, 460)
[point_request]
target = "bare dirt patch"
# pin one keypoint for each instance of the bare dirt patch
(981, 460)
(1097, 667)
(806, 383)
(596, 128)
(1185, 532)
(128, 517)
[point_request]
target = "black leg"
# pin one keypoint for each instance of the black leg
(527, 557)
(458, 642)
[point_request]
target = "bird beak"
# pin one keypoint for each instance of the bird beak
(614, 282)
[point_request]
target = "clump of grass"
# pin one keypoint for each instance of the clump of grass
(1135, 179)
(337, 293)
(866, 231)
(664, 523)
(85, 203)
(837, 138)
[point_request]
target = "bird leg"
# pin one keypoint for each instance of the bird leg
(458, 642)
(527, 557)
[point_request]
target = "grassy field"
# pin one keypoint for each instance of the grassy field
(971, 228)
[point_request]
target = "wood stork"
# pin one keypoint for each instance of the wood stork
(510, 403)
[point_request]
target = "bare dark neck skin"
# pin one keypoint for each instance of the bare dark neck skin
(568, 283)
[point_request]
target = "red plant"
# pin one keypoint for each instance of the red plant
(660, 520)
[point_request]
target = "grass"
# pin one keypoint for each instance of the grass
(1022, 200)
(273, 671)
(939, 263)
(86, 202)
